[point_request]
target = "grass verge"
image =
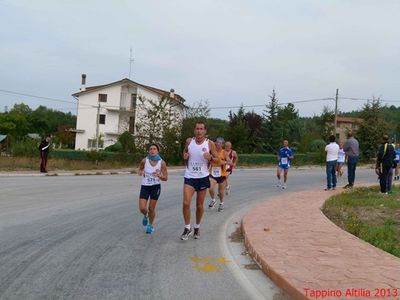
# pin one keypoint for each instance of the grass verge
(28, 164)
(371, 216)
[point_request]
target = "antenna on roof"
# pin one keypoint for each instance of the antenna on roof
(131, 60)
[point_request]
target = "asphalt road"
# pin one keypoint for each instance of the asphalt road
(80, 237)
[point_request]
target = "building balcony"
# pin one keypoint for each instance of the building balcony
(121, 109)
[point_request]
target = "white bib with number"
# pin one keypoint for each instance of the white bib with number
(397, 157)
(284, 160)
(216, 171)
(148, 175)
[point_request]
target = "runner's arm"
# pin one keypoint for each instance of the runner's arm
(213, 155)
(186, 149)
(141, 167)
(164, 172)
(235, 158)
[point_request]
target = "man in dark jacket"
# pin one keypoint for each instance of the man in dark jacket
(44, 152)
(384, 163)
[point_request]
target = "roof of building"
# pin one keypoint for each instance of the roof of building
(35, 136)
(162, 93)
(349, 120)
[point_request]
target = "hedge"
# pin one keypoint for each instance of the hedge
(314, 158)
(92, 155)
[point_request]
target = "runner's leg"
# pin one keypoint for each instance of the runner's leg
(188, 192)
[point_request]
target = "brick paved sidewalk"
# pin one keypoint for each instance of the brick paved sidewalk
(309, 256)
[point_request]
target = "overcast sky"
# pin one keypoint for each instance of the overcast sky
(225, 51)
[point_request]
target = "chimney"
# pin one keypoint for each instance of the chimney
(83, 83)
(172, 93)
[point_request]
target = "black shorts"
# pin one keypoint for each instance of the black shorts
(199, 184)
(150, 191)
(218, 179)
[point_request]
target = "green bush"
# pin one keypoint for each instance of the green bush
(99, 156)
(27, 148)
(117, 147)
(96, 156)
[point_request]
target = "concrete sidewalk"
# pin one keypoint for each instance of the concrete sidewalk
(310, 257)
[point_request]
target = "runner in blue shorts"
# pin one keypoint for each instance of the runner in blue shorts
(285, 156)
(152, 169)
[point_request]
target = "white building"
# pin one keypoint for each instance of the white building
(119, 110)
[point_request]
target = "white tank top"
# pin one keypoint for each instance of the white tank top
(341, 156)
(148, 177)
(197, 166)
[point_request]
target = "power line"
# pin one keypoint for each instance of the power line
(40, 97)
(263, 105)
(369, 99)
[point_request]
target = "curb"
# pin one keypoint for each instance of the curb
(311, 253)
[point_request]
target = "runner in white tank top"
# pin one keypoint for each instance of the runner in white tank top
(153, 170)
(197, 166)
(198, 152)
(149, 177)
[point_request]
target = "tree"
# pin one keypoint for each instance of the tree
(238, 132)
(372, 128)
(326, 123)
(159, 123)
(127, 142)
(289, 121)
(271, 130)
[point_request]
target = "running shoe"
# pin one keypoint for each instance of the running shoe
(228, 190)
(212, 203)
(284, 187)
(149, 229)
(279, 184)
(221, 207)
(186, 233)
(196, 234)
(145, 220)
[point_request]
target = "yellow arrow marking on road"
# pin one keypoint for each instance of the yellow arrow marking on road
(209, 264)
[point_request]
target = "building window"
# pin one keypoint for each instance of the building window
(132, 124)
(133, 101)
(102, 119)
(92, 143)
(102, 97)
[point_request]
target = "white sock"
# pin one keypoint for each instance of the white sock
(196, 226)
(187, 226)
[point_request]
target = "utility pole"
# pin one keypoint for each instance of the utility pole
(336, 108)
(97, 127)
(130, 63)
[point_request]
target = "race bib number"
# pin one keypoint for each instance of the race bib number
(397, 157)
(195, 167)
(284, 160)
(216, 171)
(150, 179)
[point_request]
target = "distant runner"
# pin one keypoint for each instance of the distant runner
(153, 169)
(198, 154)
(218, 175)
(232, 163)
(285, 155)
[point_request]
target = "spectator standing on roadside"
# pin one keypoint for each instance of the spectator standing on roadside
(384, 163)
(351, 148)
(332, 150)
(44, 153)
